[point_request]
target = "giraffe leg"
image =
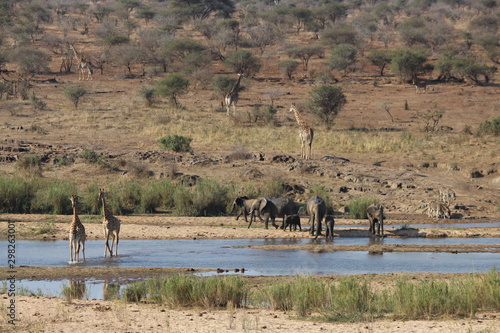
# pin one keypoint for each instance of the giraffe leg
(83, 249)
(71, 250)
(117, 239)
(77, 251)
(106, 246)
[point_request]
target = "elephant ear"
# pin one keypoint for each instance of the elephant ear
(263, 203)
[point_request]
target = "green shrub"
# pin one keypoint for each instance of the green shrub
(176, 143)
(273, 189)
(30, 166)
(75, 94)
(489, 127)
(135, 292)
(92, 157)
(323, 193)
(54, 198)
(149, 96)
(90, 199)
(358, 206)
(150, 199)
(206, 198)
(16, 194)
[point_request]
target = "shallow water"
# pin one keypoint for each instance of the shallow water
(428, 225)
(230, 254)
(233, 253)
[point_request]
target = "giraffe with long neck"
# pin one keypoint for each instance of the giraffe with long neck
(306, 133)
(111, 226)
(84, 65)
(231, 97)
(77, 234)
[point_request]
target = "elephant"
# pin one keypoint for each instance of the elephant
(375, 213)
(292, 220)
(316, 208)
(329, 224)
(245, 206)
(271, 208)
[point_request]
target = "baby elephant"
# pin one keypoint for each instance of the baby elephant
(330, 223)
(292, 220)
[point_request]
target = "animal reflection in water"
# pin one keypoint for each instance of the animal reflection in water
(110, 291)
(77, 289)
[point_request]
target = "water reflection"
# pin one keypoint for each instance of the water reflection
(110, 290)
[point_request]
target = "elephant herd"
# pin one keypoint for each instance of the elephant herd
(271, 208)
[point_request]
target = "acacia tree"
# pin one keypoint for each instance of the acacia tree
(301, 15)
(407, 63)
(171, 86)
(202, 9)
(305, 53)
(265, 35)
(380, 58)
(288, 67)
(75, 94)
(243, 61)
(343, 57)
(30, 61)
(326, 102)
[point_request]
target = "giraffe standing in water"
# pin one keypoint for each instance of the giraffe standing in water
(77, 234)
(306, 133)
(231, 97)
(84, 65)
(111, 226)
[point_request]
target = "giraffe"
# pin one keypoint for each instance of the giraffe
(306, 133)
(111, 226)
(84, 65)
(231, 97)
(77, 234)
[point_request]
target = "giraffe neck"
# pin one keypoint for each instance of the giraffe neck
(236, 86)
(107, 213)
(76, 219)
(300, 120)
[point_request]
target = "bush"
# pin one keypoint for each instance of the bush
(489, 127)
(54, 198)
(171, 86)
(92, 157)
(176, 143)
(149, 96)
(326, 102)
(288, 67)
(30, 166)
(90, 199)
(75, 94)
(17, 194)
(207, 198)
(358, 206)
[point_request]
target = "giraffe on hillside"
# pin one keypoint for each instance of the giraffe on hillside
(231, 97)
(84, 65)
(306, 133)
(111, 226)
(77, 234)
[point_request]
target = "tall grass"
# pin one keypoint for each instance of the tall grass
(182, 291)
(346, 300)
(206, 198)
(16, 194)
(54, 198)
(358, 206)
